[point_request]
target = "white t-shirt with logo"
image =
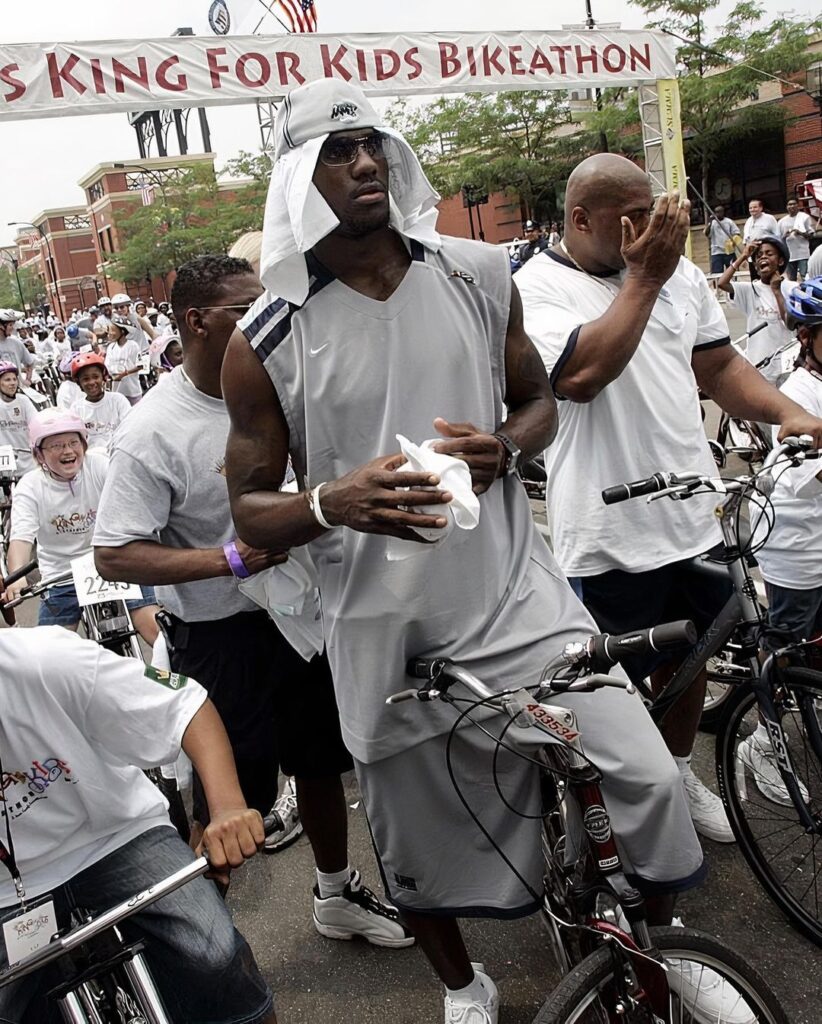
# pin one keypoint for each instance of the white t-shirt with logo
(645, 421)
(792, 555)
(799, 246)
(102, 418)
(57, 514)
(78, 725)
(758, 302)
(120, 358)
(12, 350)
(14, 428)
(758, 227)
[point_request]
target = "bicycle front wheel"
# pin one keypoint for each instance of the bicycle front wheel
(708, 981)
(784, 856)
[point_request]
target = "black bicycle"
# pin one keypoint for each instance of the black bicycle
(769, 741)
(616, 968)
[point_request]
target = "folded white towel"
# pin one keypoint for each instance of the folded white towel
(462, 511)
(290, 594)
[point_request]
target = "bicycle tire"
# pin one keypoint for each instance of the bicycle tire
(747, 807)
(575, 999)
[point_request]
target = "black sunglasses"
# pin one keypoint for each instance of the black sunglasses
(340, 150)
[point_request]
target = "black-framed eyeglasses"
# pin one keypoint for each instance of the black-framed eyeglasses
(340, 150)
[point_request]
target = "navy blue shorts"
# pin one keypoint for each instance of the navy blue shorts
(59, 605)
(720, 262)
(621, 601)
(795, 614)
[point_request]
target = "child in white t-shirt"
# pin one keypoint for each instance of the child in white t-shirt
(87, 827)
(55, 505)
(102, 411)
(16, 410)
(123, 359)
(791, 559)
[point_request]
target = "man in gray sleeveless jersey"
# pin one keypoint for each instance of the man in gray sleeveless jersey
(375, 325)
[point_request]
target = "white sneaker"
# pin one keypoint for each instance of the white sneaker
(358, 912)
(707, 812)
(760, 760)
(286, 806)
(706, 997)
(475, 1013)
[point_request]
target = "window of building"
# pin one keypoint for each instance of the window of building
(95, 192)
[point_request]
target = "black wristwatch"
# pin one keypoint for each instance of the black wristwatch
(512, 456)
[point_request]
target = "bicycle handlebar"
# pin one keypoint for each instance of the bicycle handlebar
(83, 933)
(18, 574)
(650, 485)
(605, 650)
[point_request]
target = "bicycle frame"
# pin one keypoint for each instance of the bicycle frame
(565, 755)
(741, 609)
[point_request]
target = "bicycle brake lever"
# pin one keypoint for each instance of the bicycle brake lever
(403, 695)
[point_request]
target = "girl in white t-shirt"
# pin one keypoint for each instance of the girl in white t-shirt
(791, 559)
(55, 505)
(102, 411)
(123, 359)
(763, 301)
(15, 412)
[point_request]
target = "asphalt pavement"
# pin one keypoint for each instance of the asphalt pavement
(321, 981)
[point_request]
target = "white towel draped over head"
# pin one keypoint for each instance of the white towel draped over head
(297, 216)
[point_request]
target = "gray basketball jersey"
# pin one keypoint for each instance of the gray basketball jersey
(351, 373)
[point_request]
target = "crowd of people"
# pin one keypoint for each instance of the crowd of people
(258, 495)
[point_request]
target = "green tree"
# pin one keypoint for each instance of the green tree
(720, 71)
(30, 282)
(507, 142)
(190, 217)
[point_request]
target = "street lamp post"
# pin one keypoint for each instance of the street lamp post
(49, 261)
(591, 24)
(15, 263)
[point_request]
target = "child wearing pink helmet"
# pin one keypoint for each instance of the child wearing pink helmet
(55, 505)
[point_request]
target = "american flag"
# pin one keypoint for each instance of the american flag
(301, 14)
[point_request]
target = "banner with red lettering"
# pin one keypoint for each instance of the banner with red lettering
(55, 79)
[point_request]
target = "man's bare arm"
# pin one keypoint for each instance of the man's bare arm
(741, 390)
(257, 456)
(370, 499)
(605, 346)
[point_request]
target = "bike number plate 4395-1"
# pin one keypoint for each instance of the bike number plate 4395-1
(93, 589)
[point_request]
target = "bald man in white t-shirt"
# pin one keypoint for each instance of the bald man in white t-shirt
(629, 330)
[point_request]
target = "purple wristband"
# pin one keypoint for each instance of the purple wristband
(235, 562)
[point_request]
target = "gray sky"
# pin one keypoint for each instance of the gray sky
(43, 160)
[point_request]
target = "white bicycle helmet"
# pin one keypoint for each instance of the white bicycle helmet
(121, 299)
(10, 316)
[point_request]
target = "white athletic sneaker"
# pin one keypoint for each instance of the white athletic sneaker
(286, 806)
(475, 1013)
(358, 912)
(705, 996)
(707, 812)
(760, 760)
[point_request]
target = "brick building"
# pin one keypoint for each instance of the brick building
(57, 245)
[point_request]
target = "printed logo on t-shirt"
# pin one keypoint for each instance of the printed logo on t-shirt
(173, 680)
(23, 788)
(77, 522)
(219, 466)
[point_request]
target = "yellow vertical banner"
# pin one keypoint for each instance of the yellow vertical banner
(673, 154)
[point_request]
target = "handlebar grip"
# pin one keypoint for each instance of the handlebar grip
(622, 492)
(19, 573)
(606, 650)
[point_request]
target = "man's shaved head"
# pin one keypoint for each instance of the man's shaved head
(601, 191)
(599, 179)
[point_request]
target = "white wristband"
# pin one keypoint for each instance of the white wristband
(316, 508)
